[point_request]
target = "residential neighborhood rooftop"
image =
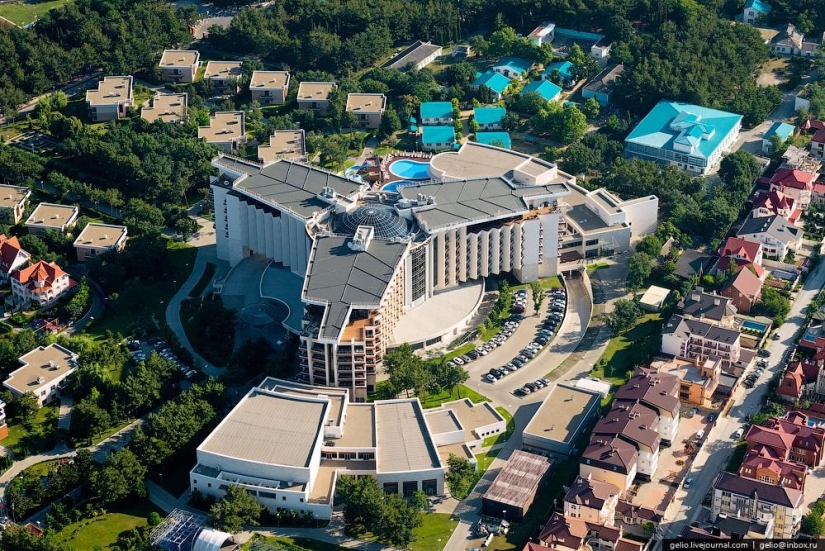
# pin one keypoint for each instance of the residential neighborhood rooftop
(166, 107)
(100, 236)
(564, 410)
(110, 90)
(11, 196)
(52, 216)
(223, 69)
(489, 115)
(415, 53)
(179, 58)
(40, 366)
(224, 126)
(269, 80)
(318, 91)
(366, 103)
(283, 144)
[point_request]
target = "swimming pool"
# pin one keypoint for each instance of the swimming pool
(411, 170)
(395, 186)
(754, 326)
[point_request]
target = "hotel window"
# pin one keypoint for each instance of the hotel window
(767, 479)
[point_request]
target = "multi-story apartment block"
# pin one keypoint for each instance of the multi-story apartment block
(13, 201)
(367, 109)
(700, 341)
(635, 424)
(224, 76)
(657, 391)
(592, 500)
(778, 508)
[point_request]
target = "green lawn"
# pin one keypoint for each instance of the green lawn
(279, 543)
(620, 357)
(460, 351)
(103, 531)
(23, 13)
(150, 307)
(435, 400)
(110, 432)
(46, 417)
(486, 459)
(597, 266)
(502, 436)
(206, 278)
(433, 534)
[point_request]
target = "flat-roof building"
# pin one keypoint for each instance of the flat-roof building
(51, 217)
(314, 96)
(96, 239)
(692, 137)
(226, 129)
(223, 75)
(44, 372)
(564, 415)
(515, 487)
(284, 144)
(287, 443)
(269, 87)
(111, 99)
(485, 211)
(13, 201)
(166, 108)
(367, 109)
(179, 65)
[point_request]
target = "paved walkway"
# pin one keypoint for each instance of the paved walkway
(64, 419)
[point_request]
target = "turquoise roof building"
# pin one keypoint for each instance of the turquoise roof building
(512, 67)
(489, 117)
(437, 137)
(437, 112)
(758, 5)
(781, 130)
(492, 80)
(565, 69)
(544, 88)
(499, 139)
(692, 137)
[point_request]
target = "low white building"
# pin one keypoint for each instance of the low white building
(44, 373)
(288, 443)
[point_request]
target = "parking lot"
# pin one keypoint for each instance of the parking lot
(141, 350)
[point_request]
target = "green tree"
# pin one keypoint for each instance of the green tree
(772, 305)
(89, 419)
(362, 498)
(572, 125)
(623, 317)
(591, 108)
(419, 500)
(580, 159)
(537, 295)
(390, 123)
(530, 103)
(27, 406)
(398, 521)
(461, 477)
(650, 245)
(638, 270)
(81, 300)
(235, 509)
(120, 477)
(812, 524)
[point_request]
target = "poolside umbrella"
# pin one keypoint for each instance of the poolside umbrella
(412, 120)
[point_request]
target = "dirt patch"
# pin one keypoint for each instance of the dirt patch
(773, 72)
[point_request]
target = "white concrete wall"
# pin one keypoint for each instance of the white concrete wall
(672, 344)
(642, 216)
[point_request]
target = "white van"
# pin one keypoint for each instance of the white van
(700, 435)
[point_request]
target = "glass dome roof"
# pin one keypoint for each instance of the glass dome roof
(386, 221)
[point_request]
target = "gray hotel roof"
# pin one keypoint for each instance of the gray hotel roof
(404, 441)
(293, 186)
(270, 428)
(342, 277)
(467, 201)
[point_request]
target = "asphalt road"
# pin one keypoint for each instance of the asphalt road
(720, 442)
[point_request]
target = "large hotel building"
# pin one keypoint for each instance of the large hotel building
(370, 257)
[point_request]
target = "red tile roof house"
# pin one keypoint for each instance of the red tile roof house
(744, 289)
(796, 377)
(776, 202)
(795, 183)
(39, 284)
(12, 256)
(560, 532)
(763, 464)
(790, 438)
(742, 252)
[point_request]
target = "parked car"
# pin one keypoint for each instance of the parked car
(688, 483)
(519, 392)
(546, 382)
(517, 362)
(764, 352)
(532, 386)
(526, 389)
(133, 345)
(523, 358)
(490, 378)
(739, 433)
(539, 383)
(458, 361)
(711, 418)
(777, 336)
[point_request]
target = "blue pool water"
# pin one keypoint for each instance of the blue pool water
(395, 186)
(412, 170)
(754, 326)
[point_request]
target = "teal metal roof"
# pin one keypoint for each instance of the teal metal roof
(436, 110)
(514, 63)
(492, 80)
(674, 126)
(489, 115)
(544, 88)
(578, 35)
(437, 134)
(780, 129)
(758, 5)
(500, 139)
(565, 69)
